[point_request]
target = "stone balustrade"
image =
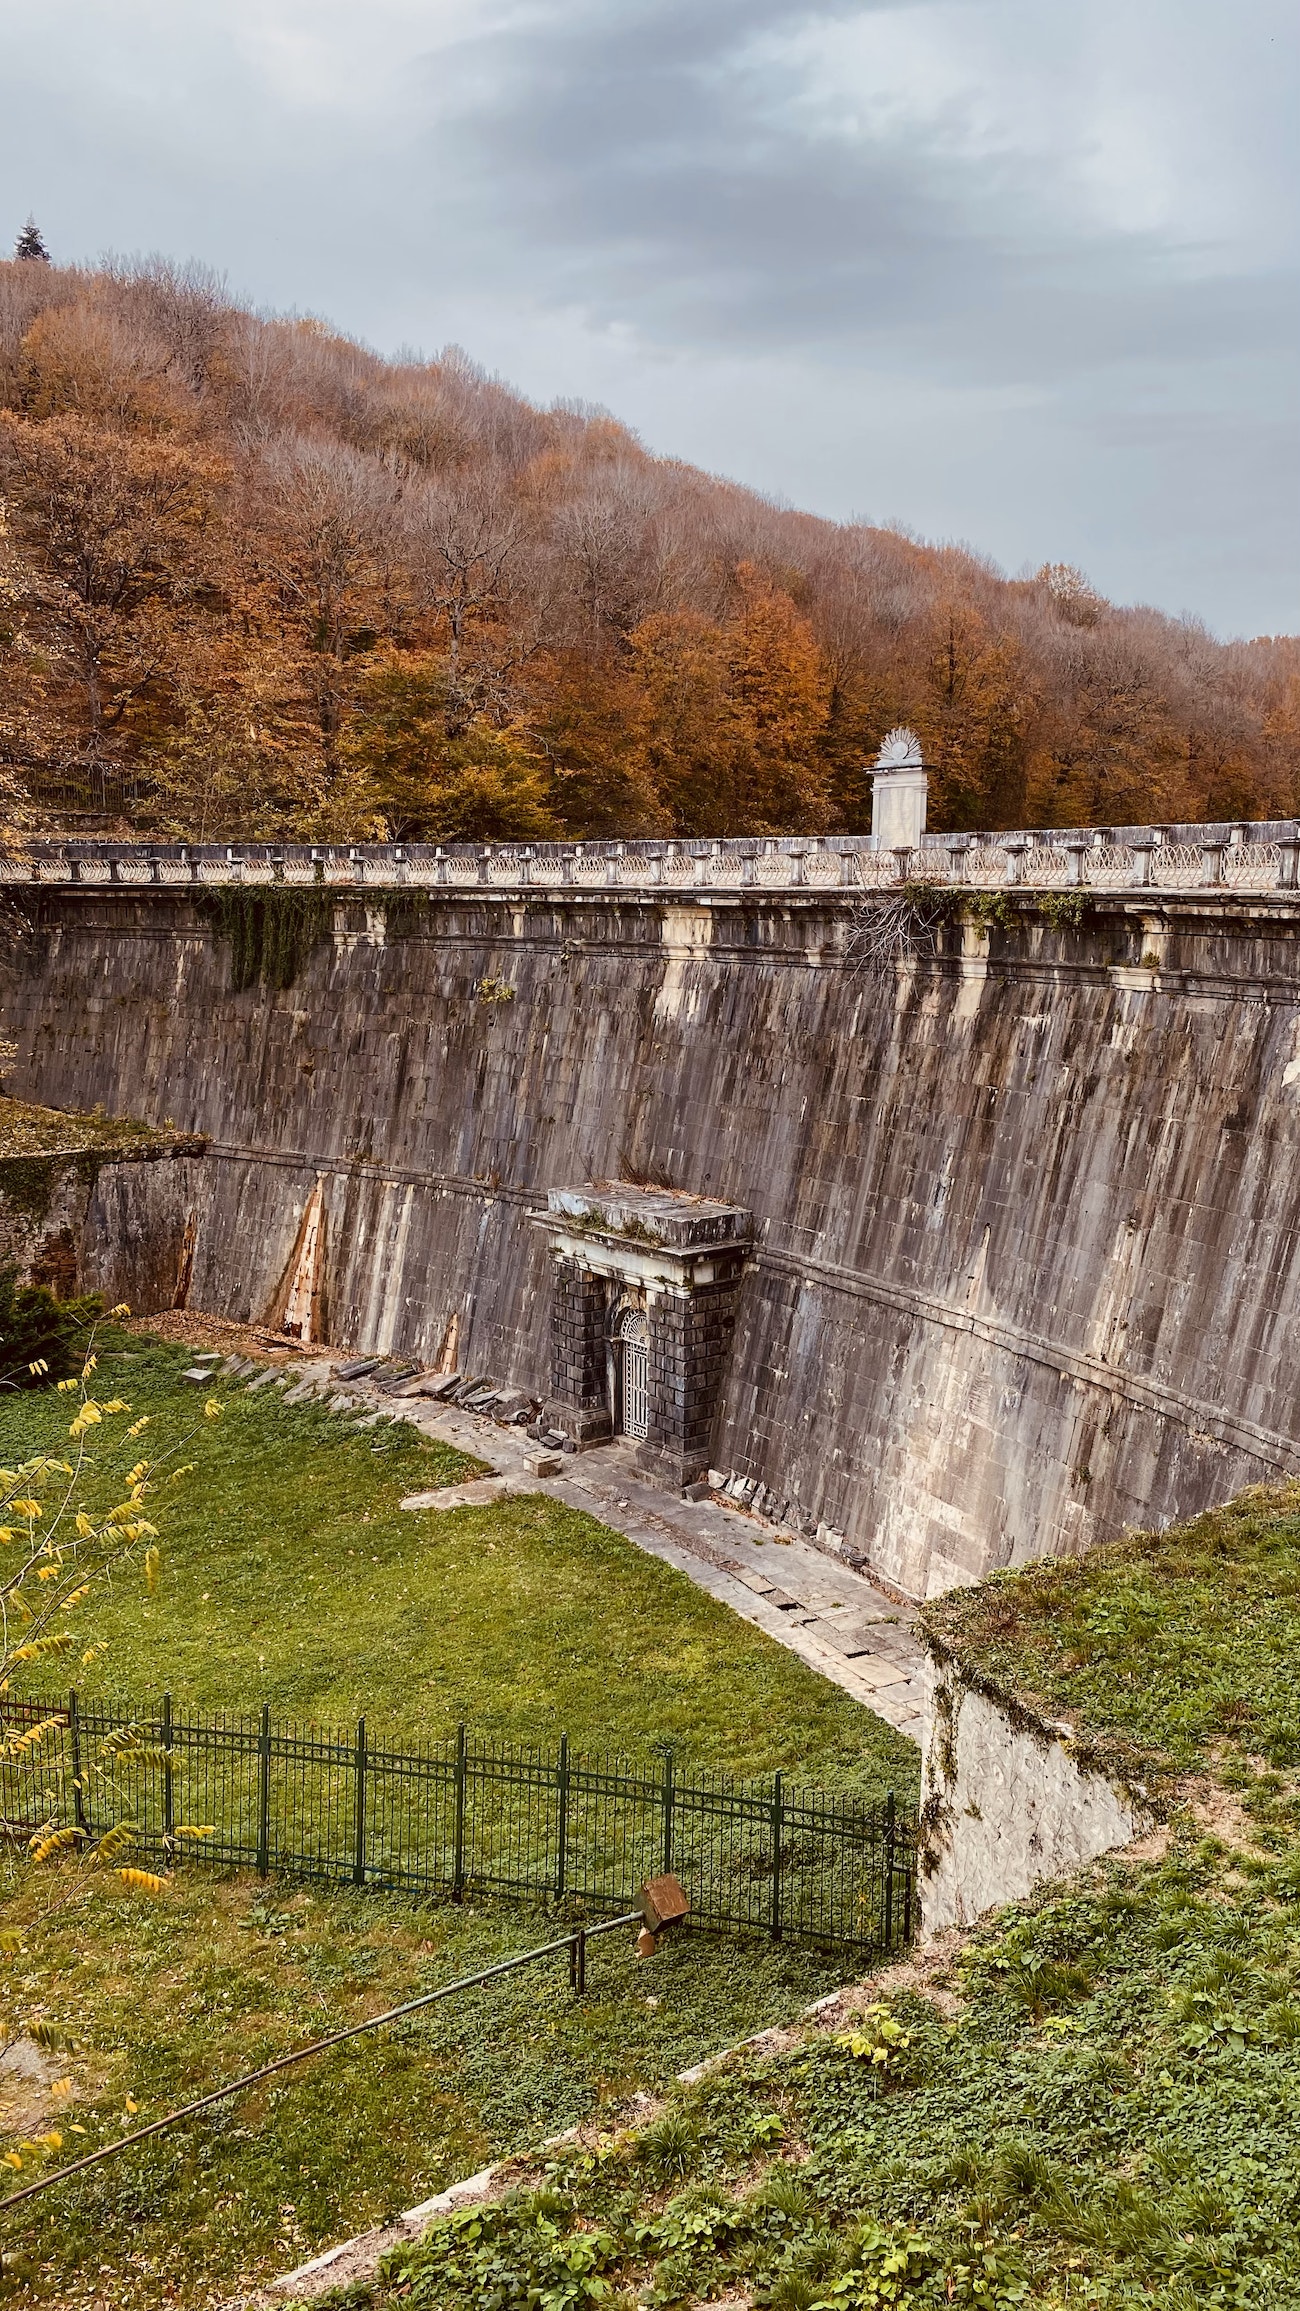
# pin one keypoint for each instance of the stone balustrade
(1246, 856)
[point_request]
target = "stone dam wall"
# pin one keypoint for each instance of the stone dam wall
(1026, 1207)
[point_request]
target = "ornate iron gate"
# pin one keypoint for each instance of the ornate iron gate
(633, 1332)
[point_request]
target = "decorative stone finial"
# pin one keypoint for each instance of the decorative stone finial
(901, 751)
(898, 793)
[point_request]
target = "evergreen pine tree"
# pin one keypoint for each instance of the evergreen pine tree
(30, 245)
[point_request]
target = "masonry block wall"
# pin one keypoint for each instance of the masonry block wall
(578, 1351)
(1026, 1262)
(690, 1341)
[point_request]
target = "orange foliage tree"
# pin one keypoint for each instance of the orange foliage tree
(257, 581)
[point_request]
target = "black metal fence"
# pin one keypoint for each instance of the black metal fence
(461, 1815)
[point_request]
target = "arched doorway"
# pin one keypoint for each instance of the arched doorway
(632, 1333)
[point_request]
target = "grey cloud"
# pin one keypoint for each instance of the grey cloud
(633, 163)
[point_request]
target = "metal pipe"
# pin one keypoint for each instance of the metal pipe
(576, 1942)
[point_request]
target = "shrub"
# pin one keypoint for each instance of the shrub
(41, 1338)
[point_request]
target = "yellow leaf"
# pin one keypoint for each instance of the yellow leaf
(11, 2159)
(151, 1564)
(132, 2107)
(85, 1526)
(145, 1881)
(54, 1842)
(212, 1409)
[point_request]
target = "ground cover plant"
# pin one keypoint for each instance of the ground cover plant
(291, 1575)
(1102, 2111)
(1092, 2101)
(164, 1998)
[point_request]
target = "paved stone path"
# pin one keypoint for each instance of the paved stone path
(833, 1618)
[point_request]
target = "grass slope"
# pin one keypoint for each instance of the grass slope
(291, 1575)
(1165, 1646)
(222, 1974)
(1095, 2101)
(28, 1130)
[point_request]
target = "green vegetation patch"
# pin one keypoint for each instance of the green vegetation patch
(1164, 1649)
(41, 1338)
(291, 1575)
(272, 933)
(27, 1130)
(164, 1999)
(1099, 2109)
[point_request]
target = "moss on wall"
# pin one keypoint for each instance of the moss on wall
(272, 933)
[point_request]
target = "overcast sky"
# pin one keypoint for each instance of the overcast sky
(1019, 272)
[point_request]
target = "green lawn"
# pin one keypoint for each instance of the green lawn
(291, 1575)
(168, 1997)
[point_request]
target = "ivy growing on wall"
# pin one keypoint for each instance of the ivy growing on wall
(272, 933)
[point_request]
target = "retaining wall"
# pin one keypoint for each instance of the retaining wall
(1007, 1803)
(1027, 1208)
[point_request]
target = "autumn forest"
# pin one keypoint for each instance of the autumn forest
(258, 582)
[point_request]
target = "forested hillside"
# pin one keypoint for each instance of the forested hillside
(256, 581)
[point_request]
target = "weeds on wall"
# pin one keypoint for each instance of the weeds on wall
(894, 927)
(272, 933)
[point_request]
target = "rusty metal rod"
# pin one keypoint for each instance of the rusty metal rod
(571, 1942)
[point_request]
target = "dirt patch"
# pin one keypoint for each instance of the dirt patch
(190, 1328)
(38, 2087)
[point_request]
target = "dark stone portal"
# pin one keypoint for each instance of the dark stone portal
(642, 1273)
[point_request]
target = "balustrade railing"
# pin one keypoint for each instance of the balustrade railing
(1259, 856)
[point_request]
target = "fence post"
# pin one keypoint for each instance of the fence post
(359, 1809)
(169, 1802)
(458, 1866)
(562, 1843)
(778, 1814)
(74, 1730)
(668, 1794)
(890, 1830)
(264, 1794)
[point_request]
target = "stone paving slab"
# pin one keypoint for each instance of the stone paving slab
(473, 1495)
